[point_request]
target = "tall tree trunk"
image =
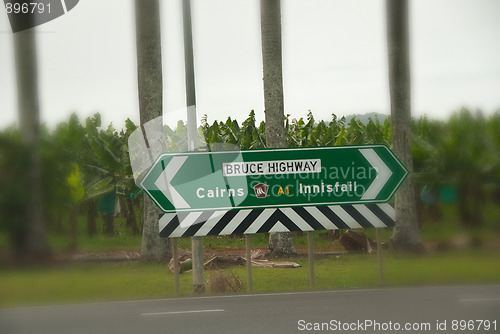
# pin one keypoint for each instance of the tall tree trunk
(91, 218)
(108, 224)
(123, 210)
(270, 14)
(477, 202)
(149, 71)
(73, 224)
(131, 220)
(37, 247)
(405, 235)
(463, 205)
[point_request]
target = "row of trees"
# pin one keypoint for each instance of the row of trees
(82, 165)
(84, 187)
(86, 166)
(463, 152)
(33, 242)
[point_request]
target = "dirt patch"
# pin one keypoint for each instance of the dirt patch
(107, 256)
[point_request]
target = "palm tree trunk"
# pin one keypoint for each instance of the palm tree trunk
(405, 235)
(150, 85)
(270, 11)
(37, 247)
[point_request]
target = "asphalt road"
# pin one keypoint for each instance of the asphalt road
(339, 311)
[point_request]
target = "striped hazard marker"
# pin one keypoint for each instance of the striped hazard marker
(226, 222)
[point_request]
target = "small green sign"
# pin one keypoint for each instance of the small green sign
(222, 180)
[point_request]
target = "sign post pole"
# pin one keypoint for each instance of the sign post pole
(175, 257)
(249, 263)
(310, 251)
(196, 242)
(379, 256)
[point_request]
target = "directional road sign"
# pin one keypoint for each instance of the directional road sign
(274, 178)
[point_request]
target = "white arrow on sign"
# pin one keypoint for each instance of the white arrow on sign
(383, 173)
(163, 182)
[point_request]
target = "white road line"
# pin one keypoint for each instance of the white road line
(481, 300)
(182, 312)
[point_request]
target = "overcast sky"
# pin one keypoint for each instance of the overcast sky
(334, 59)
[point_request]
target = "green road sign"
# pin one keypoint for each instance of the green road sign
(222, 180)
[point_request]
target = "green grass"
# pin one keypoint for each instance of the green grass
(449, 225)
(84, 282)
(59, 240)
(134, 280)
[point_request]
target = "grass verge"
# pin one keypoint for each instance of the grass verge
(134, 280)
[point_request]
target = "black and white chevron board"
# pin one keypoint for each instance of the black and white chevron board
(226, 222)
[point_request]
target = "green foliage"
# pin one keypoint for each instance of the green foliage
(75, 184)
(63, 151)
(377, 133)
(299, 132)
(14, 157)
(463, 152)
(251, 136)
(108, 167)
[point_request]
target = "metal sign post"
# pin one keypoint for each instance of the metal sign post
(249, 262)
(175, 258)
(379, 256)
(310, 251)
(196, 242)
